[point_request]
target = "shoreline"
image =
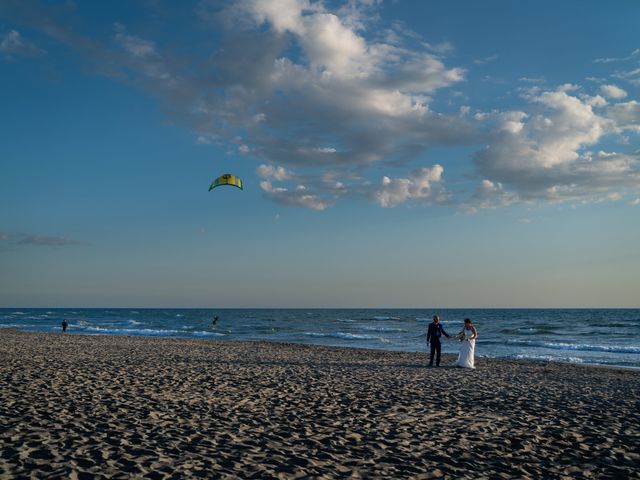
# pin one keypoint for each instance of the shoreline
(349, 347)
(157, 407)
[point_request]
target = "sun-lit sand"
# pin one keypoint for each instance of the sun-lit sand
(99, 406)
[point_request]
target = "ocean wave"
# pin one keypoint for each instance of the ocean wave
(342, 335)
(17, 325)
(346, 320)
(131, 331)
(527, 330)
(383, 318)
(577, 346)
(545, 358)
(383, 329)
(134, 322)
(207, 334)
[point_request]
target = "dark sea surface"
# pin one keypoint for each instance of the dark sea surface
(596, 336)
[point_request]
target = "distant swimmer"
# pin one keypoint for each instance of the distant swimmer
(215, 320)
(64, 325)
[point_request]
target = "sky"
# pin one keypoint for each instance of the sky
(393, 153)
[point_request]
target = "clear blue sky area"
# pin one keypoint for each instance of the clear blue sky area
(393, 154)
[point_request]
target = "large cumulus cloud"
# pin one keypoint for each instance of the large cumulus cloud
(547, 153)
(335, 104)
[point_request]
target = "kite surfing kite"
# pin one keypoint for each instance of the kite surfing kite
(226, 179)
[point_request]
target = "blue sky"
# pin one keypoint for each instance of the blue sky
(394, 154)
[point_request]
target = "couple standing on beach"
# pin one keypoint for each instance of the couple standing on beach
(467, 336)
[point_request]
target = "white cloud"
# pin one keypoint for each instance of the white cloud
(144, 58)
(274, 173)
(626, 115)
(542, 155)
(485, 60)
(618, 59)
(298, 197)
(613, 91)
(594, 101)
(420, 185)
(532, 79)
(635, 202)
(12, 43)
(439, 48)
(370, 98)
(490, 195)
(137, 47)
(631, 76)
(308, 191)
(565, 125)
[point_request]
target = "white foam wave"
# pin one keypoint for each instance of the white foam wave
(131, 331)
(343, 335)
(17, 325)
(208, 334)
(382, 318)
(383, 329)
(134, 322)
(577, 346)
(546, 358)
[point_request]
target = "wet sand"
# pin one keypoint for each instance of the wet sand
(77, 406)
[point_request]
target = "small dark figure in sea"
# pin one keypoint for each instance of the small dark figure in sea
(64, 325)
(215, 320)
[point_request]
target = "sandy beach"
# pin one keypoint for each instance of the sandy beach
(78, 406)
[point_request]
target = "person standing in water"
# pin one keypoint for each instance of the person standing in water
(64, 325)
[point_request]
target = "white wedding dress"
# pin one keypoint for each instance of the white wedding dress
(467, 350)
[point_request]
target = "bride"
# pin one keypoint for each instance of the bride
(467, 336)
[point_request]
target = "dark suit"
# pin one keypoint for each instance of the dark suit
(434, 333)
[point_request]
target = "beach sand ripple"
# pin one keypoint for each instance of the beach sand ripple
(77, 406)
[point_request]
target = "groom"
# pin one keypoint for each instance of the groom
(434, 333)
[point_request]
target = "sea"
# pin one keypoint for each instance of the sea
(586, 336)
